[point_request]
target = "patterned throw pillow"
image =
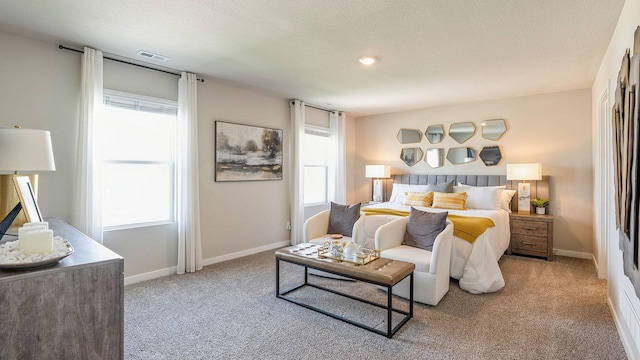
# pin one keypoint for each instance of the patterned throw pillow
(450, 201)
(423, 228)
(418, 199)
(342, 218)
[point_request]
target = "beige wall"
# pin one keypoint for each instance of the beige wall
(625, 305)
(552, 129)
(39, 89)
(239, 216)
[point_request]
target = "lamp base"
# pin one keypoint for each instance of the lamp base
(524, 198)
(377, 190)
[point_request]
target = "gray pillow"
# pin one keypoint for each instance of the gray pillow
(342, 218)
(445, 187)
(423, 228)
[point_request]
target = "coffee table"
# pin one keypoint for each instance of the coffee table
(381, 272)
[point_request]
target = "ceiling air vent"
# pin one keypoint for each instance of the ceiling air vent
(149, 55)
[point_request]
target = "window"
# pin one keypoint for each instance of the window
(316, 146)
(139, 151)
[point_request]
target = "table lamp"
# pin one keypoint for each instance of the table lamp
(377, 173)
(524, 172)
(21, 150)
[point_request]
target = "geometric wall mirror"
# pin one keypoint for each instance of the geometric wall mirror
(491, 155)
(409, 136)
(493, 129)
(435, 133)
(411, 156)
(434, 157)
(461, 155)
(462, 132)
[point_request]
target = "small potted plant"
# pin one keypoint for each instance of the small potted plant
(540, 204)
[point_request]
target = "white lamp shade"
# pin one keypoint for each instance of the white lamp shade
(377, 171)
(524, 171)
(25, 150)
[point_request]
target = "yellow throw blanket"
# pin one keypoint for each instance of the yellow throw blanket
(464, 227)
(379, 211)
(469, 227)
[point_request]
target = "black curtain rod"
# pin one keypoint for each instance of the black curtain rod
(61, 47)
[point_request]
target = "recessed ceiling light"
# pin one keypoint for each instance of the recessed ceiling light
(367, 60)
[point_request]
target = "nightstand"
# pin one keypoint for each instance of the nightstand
(531, 235)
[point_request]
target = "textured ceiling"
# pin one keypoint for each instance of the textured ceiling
(431, 52)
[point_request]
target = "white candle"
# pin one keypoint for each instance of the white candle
(36, 223)
(35, 241)
(25, 229)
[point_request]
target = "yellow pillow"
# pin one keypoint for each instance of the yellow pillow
(418, 198)
(451, 201)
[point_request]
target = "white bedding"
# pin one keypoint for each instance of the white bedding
(474, 265)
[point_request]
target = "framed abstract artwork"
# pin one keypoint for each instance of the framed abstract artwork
(247, 153)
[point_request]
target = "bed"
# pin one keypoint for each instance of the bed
(474, 264)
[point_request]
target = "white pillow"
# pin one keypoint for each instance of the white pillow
(505, 197)
(481, 197)
(398, 191)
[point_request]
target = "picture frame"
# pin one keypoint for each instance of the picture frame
(27, 198)
(247, 152)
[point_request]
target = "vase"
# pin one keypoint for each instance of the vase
(540, 210)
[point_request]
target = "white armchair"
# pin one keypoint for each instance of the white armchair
(431, 276)
(315, 229)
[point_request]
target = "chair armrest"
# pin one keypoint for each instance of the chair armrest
(441, 252)
(391, 234)
(359, 233)
(316, 226)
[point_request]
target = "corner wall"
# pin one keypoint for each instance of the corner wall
(625, 305)
(552, 129)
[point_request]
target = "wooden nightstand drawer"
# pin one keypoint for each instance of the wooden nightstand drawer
(531, 245)
(535, 228)
(531, 235)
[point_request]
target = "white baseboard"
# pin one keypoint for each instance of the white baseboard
(149, 276)
(630, 338)
(172, 270)
(573, 254)
(239, 254)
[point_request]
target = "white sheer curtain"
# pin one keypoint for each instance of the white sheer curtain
(337, 157)
(189, 244)
(297, 170)
(87, 199)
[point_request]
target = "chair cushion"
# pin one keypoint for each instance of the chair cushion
(421, 258)
(423, 228)
(342, 218)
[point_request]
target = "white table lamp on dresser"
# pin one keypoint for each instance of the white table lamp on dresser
(524, 172)
(21, 150)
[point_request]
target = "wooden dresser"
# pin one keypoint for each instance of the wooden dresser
(72, 310)
(531, 235)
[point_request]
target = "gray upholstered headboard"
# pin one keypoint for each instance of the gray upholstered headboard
(539, 188)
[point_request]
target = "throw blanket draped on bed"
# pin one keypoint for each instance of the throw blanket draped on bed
(464, 227)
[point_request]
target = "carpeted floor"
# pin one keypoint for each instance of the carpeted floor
(547, 310)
